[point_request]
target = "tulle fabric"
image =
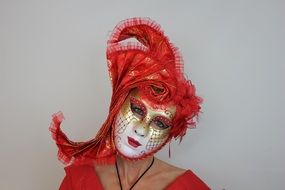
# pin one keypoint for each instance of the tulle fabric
(152, 65)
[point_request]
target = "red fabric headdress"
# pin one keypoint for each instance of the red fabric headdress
(152, 65)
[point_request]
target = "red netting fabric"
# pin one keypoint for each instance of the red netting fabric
(155, 67)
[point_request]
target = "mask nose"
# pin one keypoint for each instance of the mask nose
(141, 130)
(142, 127)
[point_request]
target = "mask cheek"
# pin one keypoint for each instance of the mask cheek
(156, 140)
(122, 122)
(124, 127)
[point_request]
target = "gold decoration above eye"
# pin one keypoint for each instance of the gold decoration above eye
(168, 113)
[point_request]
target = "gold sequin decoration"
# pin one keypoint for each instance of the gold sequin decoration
(156, 139)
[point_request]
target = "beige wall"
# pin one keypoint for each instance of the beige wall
(52, 57)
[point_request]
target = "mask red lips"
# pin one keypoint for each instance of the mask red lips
(134, 143)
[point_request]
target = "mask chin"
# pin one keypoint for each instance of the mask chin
(133, 155)
(127, 151)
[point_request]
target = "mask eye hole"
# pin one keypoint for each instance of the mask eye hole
(161, 123)
(137, 108)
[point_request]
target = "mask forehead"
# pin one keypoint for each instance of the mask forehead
(167, 110)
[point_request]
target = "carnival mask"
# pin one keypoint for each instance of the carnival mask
(142, 128)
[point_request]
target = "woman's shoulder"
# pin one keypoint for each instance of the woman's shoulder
(180, 178)
(188, 181)
(170, 170)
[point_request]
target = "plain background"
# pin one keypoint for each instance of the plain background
(52, 57)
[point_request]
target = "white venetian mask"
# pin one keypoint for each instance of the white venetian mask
(141, 129)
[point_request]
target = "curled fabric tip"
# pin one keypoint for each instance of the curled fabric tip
(59, 137)
(152, 41)
(54, 128)
(77, 153)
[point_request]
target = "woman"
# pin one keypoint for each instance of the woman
(152, 103)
